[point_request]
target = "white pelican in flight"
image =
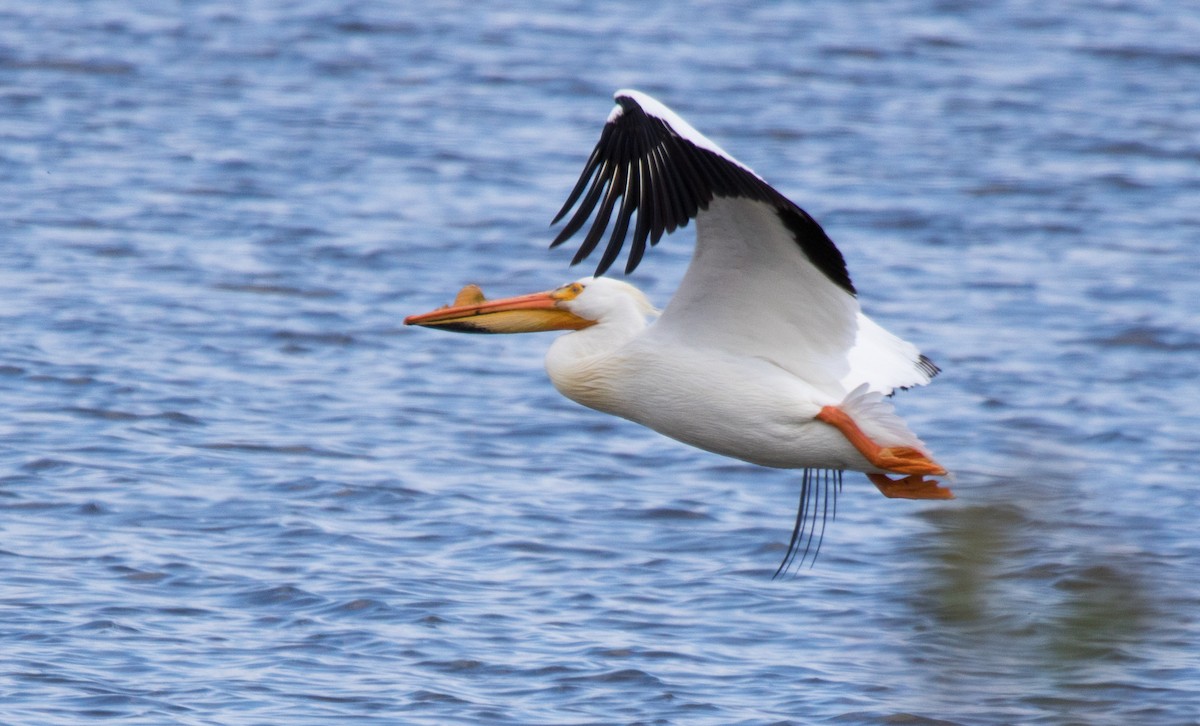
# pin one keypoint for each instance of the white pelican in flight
(763, 353)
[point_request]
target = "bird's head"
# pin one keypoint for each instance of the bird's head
(574, 306)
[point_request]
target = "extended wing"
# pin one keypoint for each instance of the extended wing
(765, 280)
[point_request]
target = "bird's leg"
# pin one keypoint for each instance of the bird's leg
(896, 459)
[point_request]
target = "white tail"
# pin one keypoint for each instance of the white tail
(876, 416)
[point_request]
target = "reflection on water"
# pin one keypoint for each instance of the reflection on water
(1014, 592)
(975, 582)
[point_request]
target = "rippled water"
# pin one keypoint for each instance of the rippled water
(237, 491)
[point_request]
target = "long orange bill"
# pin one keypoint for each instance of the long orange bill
(472, 313)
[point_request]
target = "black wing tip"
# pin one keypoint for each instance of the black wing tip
(654, 171)
(627, 103)
(816, 244)
(627, 99)
(927, 366)
(660, 172)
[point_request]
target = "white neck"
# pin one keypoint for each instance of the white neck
(578, 362)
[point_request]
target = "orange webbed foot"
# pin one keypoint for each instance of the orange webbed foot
(913, 486)
(895, 459)
(906, 460)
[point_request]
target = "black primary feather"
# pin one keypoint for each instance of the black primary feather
(667, 181)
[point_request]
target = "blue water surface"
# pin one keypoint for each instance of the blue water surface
(235, 489)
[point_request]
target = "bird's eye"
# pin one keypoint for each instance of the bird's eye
(569, 291)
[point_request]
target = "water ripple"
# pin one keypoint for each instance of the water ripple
(238, 490)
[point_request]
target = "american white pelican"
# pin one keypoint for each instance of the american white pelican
(763, 353)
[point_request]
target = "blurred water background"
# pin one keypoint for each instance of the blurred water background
(236, 490)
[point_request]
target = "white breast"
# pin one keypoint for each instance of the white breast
(739, 407)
